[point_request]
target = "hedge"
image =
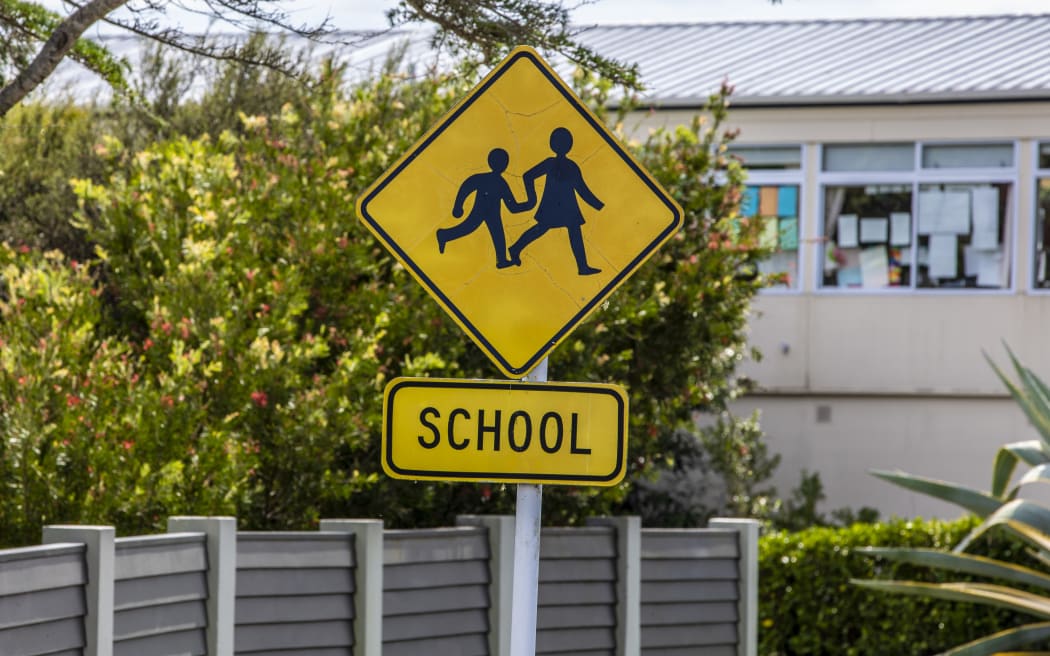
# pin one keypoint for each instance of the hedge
(808, 606)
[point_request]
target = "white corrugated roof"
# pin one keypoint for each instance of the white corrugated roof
(838, 61)
(794, 62)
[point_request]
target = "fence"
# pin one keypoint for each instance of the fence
(354, 589)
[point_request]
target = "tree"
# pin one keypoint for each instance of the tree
(487, 26)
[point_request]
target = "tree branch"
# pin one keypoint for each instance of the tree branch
(54, 50)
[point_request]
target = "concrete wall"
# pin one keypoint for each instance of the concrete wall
(900, 372)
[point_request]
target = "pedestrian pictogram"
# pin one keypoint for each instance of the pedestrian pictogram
(490, 192)
(559, 207)
(568, 214)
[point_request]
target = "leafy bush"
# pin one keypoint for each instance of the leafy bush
(245, 324)
(807, 604)
(718, 470)
(41, 148)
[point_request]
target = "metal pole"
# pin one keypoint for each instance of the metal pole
(525, 588)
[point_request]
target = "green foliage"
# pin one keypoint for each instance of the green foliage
(719, 470)
(808, 606)
(41, 148)
(1000, 508)
(245, 322)
(799, 510)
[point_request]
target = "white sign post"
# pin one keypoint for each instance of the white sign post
(525, 589)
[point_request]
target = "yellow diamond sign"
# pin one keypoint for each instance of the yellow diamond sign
(519, 212)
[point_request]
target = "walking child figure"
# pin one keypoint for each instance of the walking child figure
(558, 207)
(490, 192)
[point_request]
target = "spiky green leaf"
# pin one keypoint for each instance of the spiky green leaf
(1027, 519)
(1032, 452)
(979, 503)
(980, 593)
(1034, 387)
(1038, 413)
(1039, 474)
(965, 564)
(1009, 639)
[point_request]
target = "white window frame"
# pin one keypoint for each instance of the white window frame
(915, 178)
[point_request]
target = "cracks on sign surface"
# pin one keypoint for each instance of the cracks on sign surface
(554, 282)
(510, 112)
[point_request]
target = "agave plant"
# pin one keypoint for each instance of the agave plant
(1000, 508)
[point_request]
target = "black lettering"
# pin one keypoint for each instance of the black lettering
(572, 440)
(482, 429)
(458, 446)
(433, 429)
(543, 432)
(528, 431)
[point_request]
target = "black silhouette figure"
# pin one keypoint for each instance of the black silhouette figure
(490, 191)
(558, 207)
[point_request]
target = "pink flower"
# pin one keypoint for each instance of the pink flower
(260, 399)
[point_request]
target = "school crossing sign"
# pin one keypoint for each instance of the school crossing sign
(519, 212)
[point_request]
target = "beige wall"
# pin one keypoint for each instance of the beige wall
(942, 438)
(902, 374)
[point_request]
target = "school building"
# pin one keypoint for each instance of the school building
(902, 168)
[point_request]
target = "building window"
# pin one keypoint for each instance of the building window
(1041, 269)
(774, 181)
(944, 224)
(963, 235)
(868, 230)
(776, 207)
(869, 157)
(768, 158)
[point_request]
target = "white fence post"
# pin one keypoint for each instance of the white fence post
(100, 553)
(221, 544)
(501, 570)
(747, 644)
(368, 581)
(628, 582)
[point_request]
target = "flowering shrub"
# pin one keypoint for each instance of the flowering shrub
(227, 349)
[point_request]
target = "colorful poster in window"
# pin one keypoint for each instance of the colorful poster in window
(787, 201)
(768, 237)
(789, 233)
(749, 203)
(767, 201)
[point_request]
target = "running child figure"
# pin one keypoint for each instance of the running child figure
(490, 191)
(559, 207)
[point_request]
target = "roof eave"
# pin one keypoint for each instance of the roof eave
(839, 100)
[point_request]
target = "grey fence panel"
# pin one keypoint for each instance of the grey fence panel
(577, 591)
(690, 592)
(42, 602)
(435, 592)
(295, 594)
(160, 595)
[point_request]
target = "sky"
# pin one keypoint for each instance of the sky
(371, 14)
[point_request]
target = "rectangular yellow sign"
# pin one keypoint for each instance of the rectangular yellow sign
(505, 431)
